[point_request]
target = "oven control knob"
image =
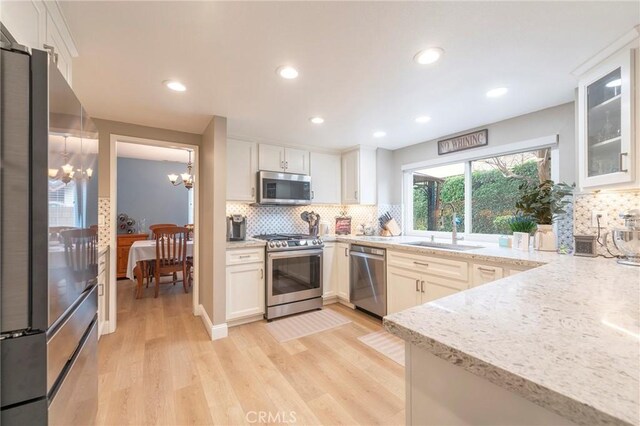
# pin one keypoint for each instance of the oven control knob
(272, 244)
(315, 242)
(278, 244)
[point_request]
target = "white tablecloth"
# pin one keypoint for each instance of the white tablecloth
(146, 250)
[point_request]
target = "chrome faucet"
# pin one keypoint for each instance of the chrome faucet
(454, 225)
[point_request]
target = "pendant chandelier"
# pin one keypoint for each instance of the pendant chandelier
(66, 172)
(187, 178)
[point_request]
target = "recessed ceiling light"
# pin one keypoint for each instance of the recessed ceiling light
(175, 85)
(497, 92)
(316, 120)
(615, 83)
(423, 119)
(287, 72)
(428, 56)
(379, 134)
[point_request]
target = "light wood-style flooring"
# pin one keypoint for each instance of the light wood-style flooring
(160, 367)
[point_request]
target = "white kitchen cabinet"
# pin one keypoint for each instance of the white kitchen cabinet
(245, 284)
(407, 288)
(403, 289)
(242, 166)
(607, 142)
(297, 161)
(276, 158)
(103, 270)
(343, 270)
(34, 23)
(329, 271)
(325, 178)
(62, 55)
(359, 176)
(26, 21)
(271, 158)
(482, 274)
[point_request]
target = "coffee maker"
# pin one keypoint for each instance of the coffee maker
(236, 227)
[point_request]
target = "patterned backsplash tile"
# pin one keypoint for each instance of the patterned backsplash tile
(612, 203)
(286, 219)
(104, 231)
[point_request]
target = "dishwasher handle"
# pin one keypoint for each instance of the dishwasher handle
(367, 255)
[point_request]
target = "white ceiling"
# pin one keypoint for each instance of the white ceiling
(354, 58)
(155, 153)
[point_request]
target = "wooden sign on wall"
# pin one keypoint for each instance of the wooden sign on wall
(462, 142)
(343, 225)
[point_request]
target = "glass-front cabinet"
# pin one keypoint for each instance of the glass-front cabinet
(605, 134)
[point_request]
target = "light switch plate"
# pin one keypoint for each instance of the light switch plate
(604, 218)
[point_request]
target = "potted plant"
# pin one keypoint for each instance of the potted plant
(522, 228)
(544, 202)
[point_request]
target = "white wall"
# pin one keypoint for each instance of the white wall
(556, 120)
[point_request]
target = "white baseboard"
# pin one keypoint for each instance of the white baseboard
(346, 303)
(215, 332)
(219, 331)
(327, 300)
(246, 320)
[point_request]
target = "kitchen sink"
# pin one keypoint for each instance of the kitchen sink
(445, 246)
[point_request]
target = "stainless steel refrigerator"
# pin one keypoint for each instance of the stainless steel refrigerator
(48, 251)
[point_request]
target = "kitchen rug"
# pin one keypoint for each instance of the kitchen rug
(385, 343)
(303, 325)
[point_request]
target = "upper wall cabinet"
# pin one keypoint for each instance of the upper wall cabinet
(359, 176)
(37, 24)
(242, 165)
(276, 158)
(607, 135)
(325, 178)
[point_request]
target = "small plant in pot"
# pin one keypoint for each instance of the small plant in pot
(522, 227)
(544, 203)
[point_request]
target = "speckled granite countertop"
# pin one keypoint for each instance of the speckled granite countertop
(249, 242)
(565, 335)
(489, 252)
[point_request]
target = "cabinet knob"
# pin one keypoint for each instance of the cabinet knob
(286, 164)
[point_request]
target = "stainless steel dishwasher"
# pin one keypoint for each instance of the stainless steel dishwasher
(368, 279)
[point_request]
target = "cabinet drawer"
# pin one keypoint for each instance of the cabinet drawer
(483, 274)
(437, 287)
(453, 269)
(250, 255)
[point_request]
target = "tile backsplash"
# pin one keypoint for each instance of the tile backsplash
(612, 203)
(286, 219)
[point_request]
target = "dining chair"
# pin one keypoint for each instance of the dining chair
(171, 254)
(155, 226)
(149, 269)
(54, 232)
(81, 253)
(191, 228)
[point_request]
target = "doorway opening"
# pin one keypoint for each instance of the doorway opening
(151, 182)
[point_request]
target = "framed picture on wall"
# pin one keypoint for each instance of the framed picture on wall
(343, 225)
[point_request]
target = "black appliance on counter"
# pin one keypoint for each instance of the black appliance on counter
(48, 249)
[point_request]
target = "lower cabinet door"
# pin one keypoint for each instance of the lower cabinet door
(433, 287)
(329, 270)
(343, 270)
(403, 289)
(245, 290)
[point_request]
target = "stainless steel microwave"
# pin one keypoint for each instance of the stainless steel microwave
(283, 189)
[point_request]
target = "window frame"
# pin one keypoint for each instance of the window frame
(467, 158)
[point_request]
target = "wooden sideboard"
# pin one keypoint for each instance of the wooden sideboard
(125, 241)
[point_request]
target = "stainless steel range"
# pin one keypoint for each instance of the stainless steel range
(294, 274)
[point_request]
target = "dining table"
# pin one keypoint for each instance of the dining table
(141, 252)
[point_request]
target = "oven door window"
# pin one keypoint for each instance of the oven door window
(276, 189)
(295, 278)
